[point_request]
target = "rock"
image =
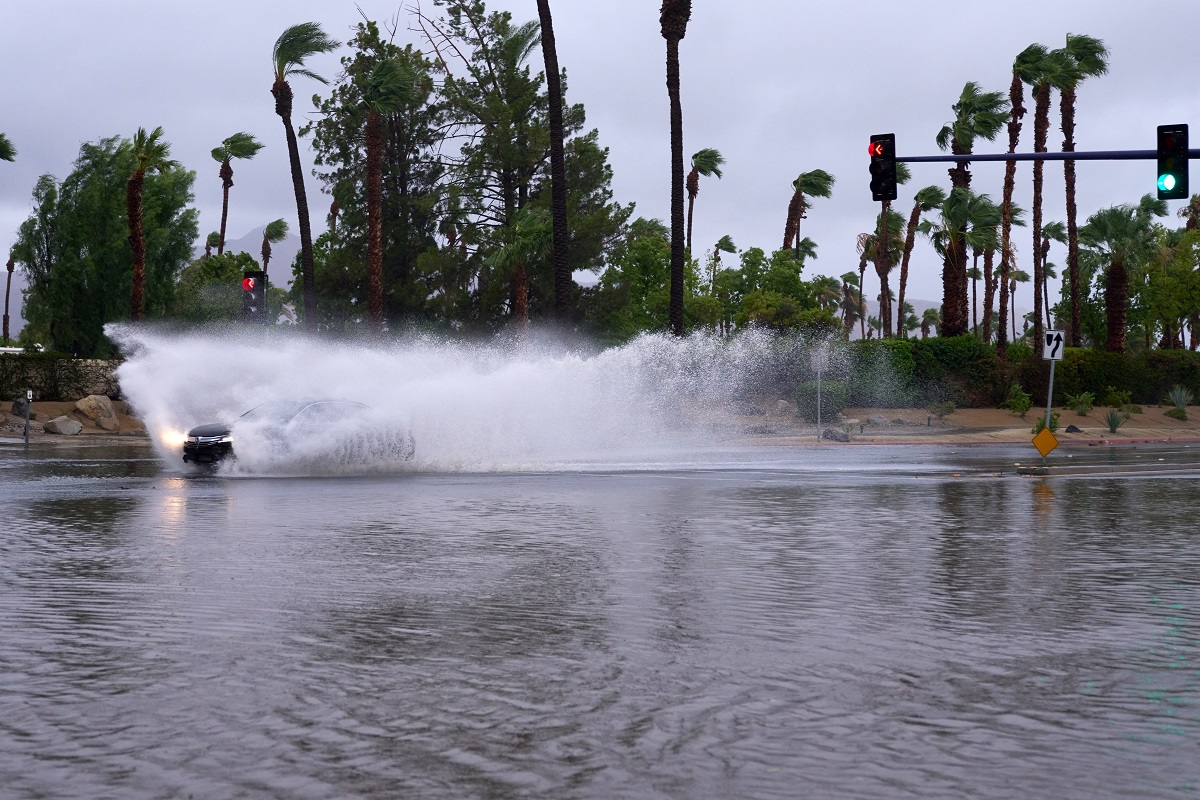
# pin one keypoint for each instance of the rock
(902, 421)
(108, 424)
(18, 407)
(850, 421)
(877, 420)
(783, 408)
(96, 406)
(1073, 429)
(835, 435)
(64, 426)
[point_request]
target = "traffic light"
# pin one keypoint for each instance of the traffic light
(883, 166)
(254, 296)
(1172, 162)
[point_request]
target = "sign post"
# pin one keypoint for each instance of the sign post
(28, 403)
(1052, 351)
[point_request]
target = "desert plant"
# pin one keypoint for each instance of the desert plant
(1041, 423)
(1181, 396)
(1019, 401)
(940, 410)
(1115, 419)
(1115, 398)
(1081, 403)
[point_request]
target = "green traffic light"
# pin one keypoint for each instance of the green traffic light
(1166, 182)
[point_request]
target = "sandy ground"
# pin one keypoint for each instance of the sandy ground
(975, 426)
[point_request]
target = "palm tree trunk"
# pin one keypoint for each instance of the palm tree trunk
(975, 294)
(375, 219)
(137, 240)
(1016, 99)
(283, 107)
(791, 228)
(881, 268)
(1012, 291)
(226, 175)
(910, 238)
(989, 292)
(677, 241)
(693, 188)
(266, 254)
(1068, 129)
(558, 170)
(1041, 124)
(8, 291)
(1116, 302)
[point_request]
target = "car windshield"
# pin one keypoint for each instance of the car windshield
(275, 410)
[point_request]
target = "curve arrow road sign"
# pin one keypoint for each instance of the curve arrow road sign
(1052, 348)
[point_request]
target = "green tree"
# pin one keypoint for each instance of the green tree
(527, 238)
(210, 290)
(293, 47)
(409, 172)
(673, 20)
(273, 233)
(1122, 236)
(75, 248)
(151, 154)
(1048, 74)
(1026, 67)
(966, 221)
(7, 151)
(389, 88)
(816, 183)
(704, 162)
(887, 249)
(925, 200)
(1086, 57)
(977, 115)
(239, 145)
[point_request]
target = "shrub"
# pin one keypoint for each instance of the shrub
(1177, 413)
(940, 410)
(1115, 419)
(1180, 396)
(1115, 398)
(1041, 422)
(1081, 403)
(1019, 401)
(834, 397)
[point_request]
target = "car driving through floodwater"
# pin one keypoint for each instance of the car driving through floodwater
(340, 432)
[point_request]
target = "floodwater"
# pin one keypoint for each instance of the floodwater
(855, 622)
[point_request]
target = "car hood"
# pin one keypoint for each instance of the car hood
(211, 429)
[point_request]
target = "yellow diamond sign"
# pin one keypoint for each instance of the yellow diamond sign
(1045, 442)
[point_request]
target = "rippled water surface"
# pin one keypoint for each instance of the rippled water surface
(781, 622)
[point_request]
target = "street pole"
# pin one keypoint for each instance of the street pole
(1049, 399)
(28, 403)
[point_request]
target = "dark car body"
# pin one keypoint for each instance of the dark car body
(348, 429)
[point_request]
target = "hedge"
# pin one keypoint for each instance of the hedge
(54, 376)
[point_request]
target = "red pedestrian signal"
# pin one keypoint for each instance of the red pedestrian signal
(247, 284)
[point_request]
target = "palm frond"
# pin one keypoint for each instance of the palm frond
(295, 45)
(390, 86)
(708, 162)
(816, 183)
(1088, 53)
(276, 231)
(7, 151)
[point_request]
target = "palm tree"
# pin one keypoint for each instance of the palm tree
(888, 247)
(910, 322)
(7, 151)
(724, 245)
(525, 239)
(1016, 276)
(1122, 235)
(274, 232)
(7, 289)
(925, 200)
(673, 19)
(210, 242)
(932, 318)
(977, 115)
(1051, 232)
(1049, 74)
(853, 308)
(151, 153)
(1008, 254)
(1025, 68)
(986, 223)
(1086, 58)
(293, 47)
(965, 221)
(558, 170)
(239, 145)
(865, 246)
(828, 291)
(705, 162)
(389, 88)
(817, 183)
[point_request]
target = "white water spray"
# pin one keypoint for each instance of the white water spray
(471, 407)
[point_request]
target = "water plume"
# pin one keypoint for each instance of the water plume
(503, 405)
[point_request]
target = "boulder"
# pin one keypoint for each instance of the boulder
(1074, 429)
(96, 406)
(835, 435)
(64, 426)
(18, 407)
(902, 421)
(783, 408)
(877, 420)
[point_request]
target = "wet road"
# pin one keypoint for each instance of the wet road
(780, 622)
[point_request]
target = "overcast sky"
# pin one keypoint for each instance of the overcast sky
(778, 86)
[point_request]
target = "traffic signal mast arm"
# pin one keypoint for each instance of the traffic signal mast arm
(1093, 155)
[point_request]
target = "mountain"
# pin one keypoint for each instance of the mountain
(282, 253)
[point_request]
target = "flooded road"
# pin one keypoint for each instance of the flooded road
(865, 622)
